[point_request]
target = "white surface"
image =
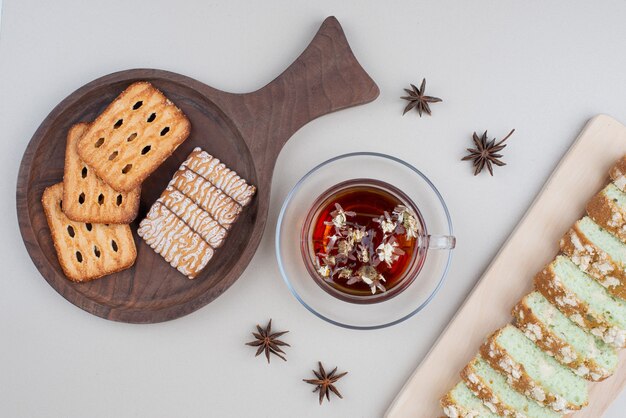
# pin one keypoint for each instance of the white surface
(542, 68)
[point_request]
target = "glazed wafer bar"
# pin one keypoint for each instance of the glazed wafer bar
(170, 237)
(220, 176)
(197, 219)
(219, 205)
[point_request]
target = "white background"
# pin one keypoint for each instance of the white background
(543, 68)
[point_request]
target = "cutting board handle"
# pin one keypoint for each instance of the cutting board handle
(326, 77)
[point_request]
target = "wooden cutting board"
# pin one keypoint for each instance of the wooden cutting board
(533, 243)
(245, 131)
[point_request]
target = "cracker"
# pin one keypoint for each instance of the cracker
(219, 205)
(196, 218)
(170, 237)
(133, 136)
(86, 197)
(221, 176)
(86, 251)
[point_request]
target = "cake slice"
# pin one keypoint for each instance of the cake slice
(559, 337)
(460, 402)
(534, 373)
(608, 209)
(492, 388)
(618, 174)
(598, 253)
(583, 300)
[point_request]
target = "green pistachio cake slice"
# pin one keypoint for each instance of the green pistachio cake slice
(618, 174)
(534, 373)
(583, 300)
(588, 356)
(608, 209)
(492, 388)
(460, 402)
(598, 253)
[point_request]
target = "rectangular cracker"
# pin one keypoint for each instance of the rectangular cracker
(86, 197)
(133, 136)
(219, 205)
(171, 238)
(196, 218)
(221, 176)
(86, 251)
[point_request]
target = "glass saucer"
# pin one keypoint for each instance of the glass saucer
(362, 165)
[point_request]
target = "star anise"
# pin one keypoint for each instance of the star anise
(325, 382)
(268, 342)
(418, 100)
(486, 152)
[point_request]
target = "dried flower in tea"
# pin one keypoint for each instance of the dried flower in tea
(388, 251)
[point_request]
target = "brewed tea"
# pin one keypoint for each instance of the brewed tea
(364, 240)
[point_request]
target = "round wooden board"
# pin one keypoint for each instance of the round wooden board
(245, 131)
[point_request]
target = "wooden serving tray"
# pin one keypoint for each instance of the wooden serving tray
(580, 174)
(245, 131)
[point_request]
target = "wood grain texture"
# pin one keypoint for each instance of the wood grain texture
(581, 173)
(246, 131)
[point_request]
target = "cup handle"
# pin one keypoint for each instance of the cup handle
(441, 242)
